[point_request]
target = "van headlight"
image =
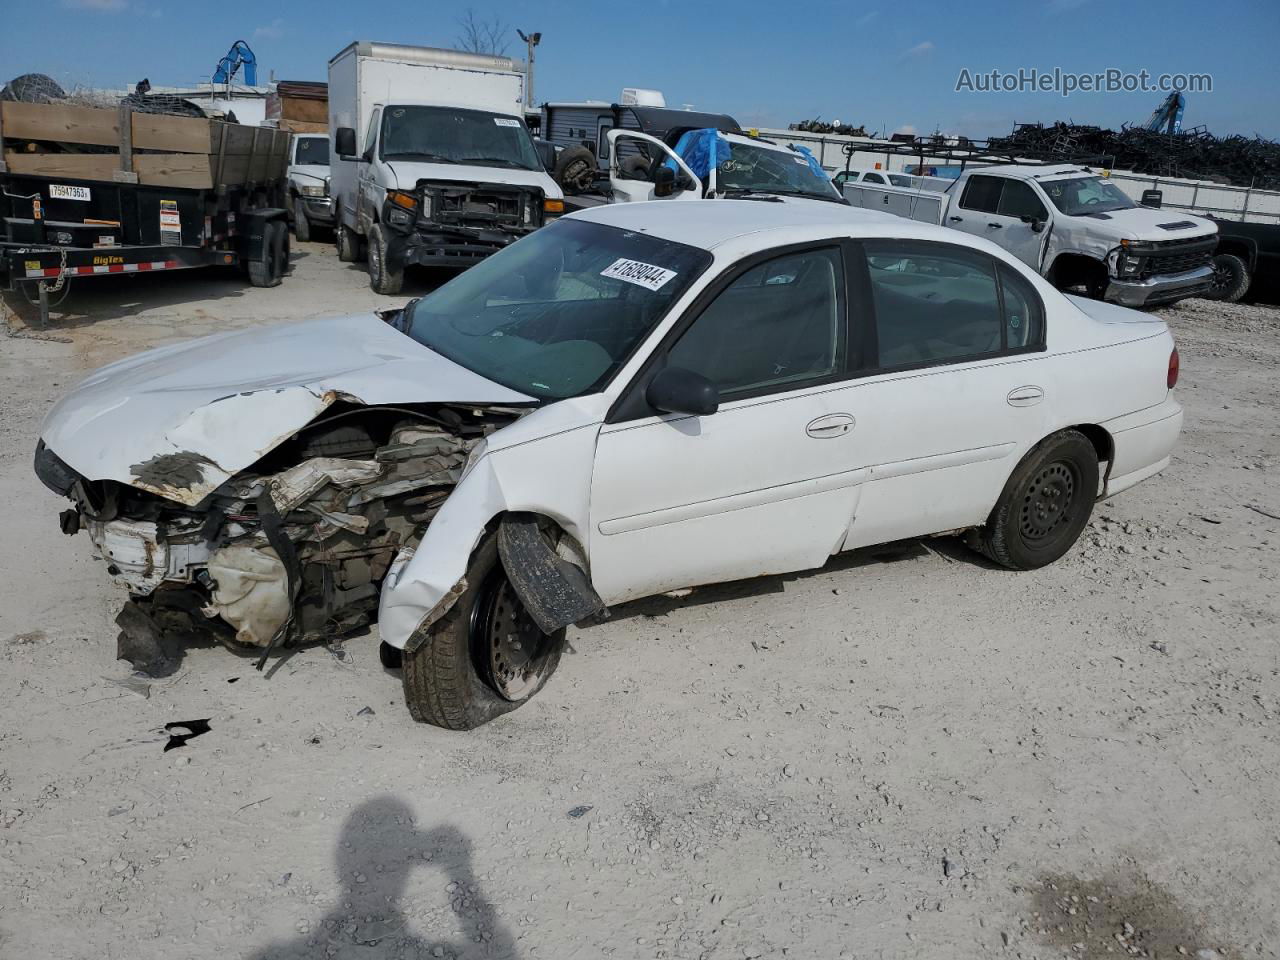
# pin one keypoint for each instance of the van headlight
(397, 216)
(313, 190)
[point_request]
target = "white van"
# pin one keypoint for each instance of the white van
(444, 172)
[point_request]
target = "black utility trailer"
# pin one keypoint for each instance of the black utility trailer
(178, 193)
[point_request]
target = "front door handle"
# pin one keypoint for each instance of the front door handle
(832, 425)
(1025, 396)
(956, 219)
(995, 226)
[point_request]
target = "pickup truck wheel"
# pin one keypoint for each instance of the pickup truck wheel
(348, 244)
(484, 658)
(301, 225)
(382, 278)
(1045, 505)
(1230, 278)
(575, 169)
(265, 270)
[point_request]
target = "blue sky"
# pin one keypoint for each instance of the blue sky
(888, 65)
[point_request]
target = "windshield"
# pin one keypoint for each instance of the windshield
(451, 135)
(313, 150)
(766, 170)
(557, 313)
(1081, 195)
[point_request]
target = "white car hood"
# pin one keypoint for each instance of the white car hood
(1144, 223)
(181, 420)
(409, 172)
(317, 170)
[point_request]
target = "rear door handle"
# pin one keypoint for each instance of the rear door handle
(995, 226)
(831, 425)
(957, 219)
(1025, 396)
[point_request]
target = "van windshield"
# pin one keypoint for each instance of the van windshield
(557, 313)
(753, 169)
(1077, 196)
(452, 135)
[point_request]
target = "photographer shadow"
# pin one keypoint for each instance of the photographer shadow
(378, 850)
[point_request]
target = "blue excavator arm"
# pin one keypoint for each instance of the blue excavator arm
(239, 55)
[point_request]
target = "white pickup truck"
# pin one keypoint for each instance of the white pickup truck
(309, 200)
(1072, 225)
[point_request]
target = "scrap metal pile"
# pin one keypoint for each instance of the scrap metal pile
(821, 126)
(1195, 154)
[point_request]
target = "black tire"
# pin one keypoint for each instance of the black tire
(348, 242)
(1045, 505)
(575, 169)
(265, 270)
(452, 680)
(382, 279)
(301, 225)
(283, 250)
(390, 657)
(1230, 278)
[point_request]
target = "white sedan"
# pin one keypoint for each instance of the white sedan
(636, 399)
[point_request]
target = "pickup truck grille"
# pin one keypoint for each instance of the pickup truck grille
(1178, 256)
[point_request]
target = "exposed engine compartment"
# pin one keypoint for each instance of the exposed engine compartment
(290, 550)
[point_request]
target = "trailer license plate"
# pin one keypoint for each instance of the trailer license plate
(58, 191)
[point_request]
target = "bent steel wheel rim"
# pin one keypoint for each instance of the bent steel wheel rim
(1047, 501)
(509, 648)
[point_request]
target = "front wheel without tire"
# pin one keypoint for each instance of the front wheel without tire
(483, 658)
(382, 278)
(1230, 278)
(1045, 505)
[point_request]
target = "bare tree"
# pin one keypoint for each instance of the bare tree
(483, 36)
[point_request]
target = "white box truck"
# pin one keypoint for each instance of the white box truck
(444, 172)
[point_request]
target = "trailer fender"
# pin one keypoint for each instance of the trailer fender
(255, 228)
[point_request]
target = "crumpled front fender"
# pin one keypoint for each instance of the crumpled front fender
(421, 578)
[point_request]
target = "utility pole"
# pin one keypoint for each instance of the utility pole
(531, 40)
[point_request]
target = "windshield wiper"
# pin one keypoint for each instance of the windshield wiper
(504, 161)
(410, 155)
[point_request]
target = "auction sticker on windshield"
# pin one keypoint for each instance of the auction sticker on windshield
(641, 274)
(506, 122)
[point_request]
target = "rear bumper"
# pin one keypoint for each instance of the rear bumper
(1160, 289)
(1143, 444)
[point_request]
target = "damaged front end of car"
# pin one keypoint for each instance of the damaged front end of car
(290, 550)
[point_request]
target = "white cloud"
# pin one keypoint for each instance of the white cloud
(906, 128)
(920, 49)
(102, 6)
(272, 31)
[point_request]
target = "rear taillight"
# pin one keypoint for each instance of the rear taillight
(1172, 379)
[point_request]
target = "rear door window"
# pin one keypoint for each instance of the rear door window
(982, 194)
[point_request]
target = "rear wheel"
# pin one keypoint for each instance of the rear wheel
(484, 658)
(348, 242)
(301, 225)
(264, 270)
(1045, 505)
(382, 278)
(1230, 278)
(283, 249)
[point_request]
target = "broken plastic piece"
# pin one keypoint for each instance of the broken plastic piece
(555, 592)
(194, 729)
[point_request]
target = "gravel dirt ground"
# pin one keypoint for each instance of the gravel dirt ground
(909, 753)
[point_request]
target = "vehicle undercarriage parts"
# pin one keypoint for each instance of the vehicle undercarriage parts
(250, 591)
(556, 593)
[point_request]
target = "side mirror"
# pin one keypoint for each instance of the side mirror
(1152, 198)
(546, 154)
(664, 181)
(344, 143)
(677, 390)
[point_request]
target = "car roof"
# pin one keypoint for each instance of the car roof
(712, 222)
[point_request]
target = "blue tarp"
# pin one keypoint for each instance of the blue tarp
(702, 150)
(814, 165)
